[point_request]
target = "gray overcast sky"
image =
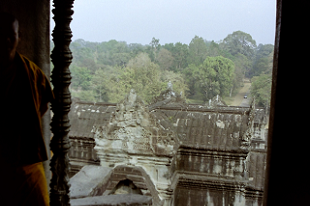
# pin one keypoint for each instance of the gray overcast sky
(171, 21)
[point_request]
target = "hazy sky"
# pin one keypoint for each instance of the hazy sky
(171, 21)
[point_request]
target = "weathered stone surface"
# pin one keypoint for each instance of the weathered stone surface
(114, 200)
(133, 137)
(169, 148)
(88, 181)
(132, 129)
(82, 153)
(84, 117)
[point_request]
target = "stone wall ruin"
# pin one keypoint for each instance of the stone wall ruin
(176, 153)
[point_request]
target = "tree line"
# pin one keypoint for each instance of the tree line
(106, 71)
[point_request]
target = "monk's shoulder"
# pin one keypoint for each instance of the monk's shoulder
(32, 68)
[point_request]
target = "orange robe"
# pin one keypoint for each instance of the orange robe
(25, 92)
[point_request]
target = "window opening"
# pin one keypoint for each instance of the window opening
(181, 108)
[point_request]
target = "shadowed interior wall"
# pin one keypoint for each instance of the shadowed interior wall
(34, 17)
(287, 176)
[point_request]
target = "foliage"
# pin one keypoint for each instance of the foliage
(145, 77)
(242, 47)
(84, 95)
(106, 71)
(190, 78)
(197, 51)
(179, 54)
(261, 66)
(263, 50)
(153, 49)
(240, 43)
(261, 86)
(261, 89)
(263, 60)
(81, 76)
(165, 59)
(215, 76)
(101, 83)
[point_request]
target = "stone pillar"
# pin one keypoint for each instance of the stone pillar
(61, 79)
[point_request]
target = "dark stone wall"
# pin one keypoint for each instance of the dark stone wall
(216, 197)
(287, 180)
(214, 164)
(186, 196)
(34, 17)
(82, 153)
(256, 170)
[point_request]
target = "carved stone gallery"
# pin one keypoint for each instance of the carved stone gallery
(166, 153)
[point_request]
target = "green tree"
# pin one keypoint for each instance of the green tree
(215, 77)
(84, 95)
(261, 89)
(165, 59)
(146, 77)
(169, 46)
(179, 52)
(190, 73)
(214, 50)
(180, 55)
(242, 64)
(261, 84)
(120, 59)
(263, 50)
(261, 66)
(240, 43)
(135, 49)
(99, 85)
(154, 49)
(263, 59)
(140, 74)
(81, 78)
(197, 51)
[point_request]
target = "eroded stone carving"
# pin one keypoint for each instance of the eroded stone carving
(216, 101)
(168, 97)
(133, 137)
(246, 137)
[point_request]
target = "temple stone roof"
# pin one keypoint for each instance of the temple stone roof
(84, 115)
(167, 140)
(205, 128)
(213, 126)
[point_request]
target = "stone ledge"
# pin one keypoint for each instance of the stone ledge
(114, 200)
(197, 180)
(87, 180)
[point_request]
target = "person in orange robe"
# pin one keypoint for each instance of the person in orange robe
(25, 93)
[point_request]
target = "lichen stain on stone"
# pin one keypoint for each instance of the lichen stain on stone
(176, 123)
(220, 124)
